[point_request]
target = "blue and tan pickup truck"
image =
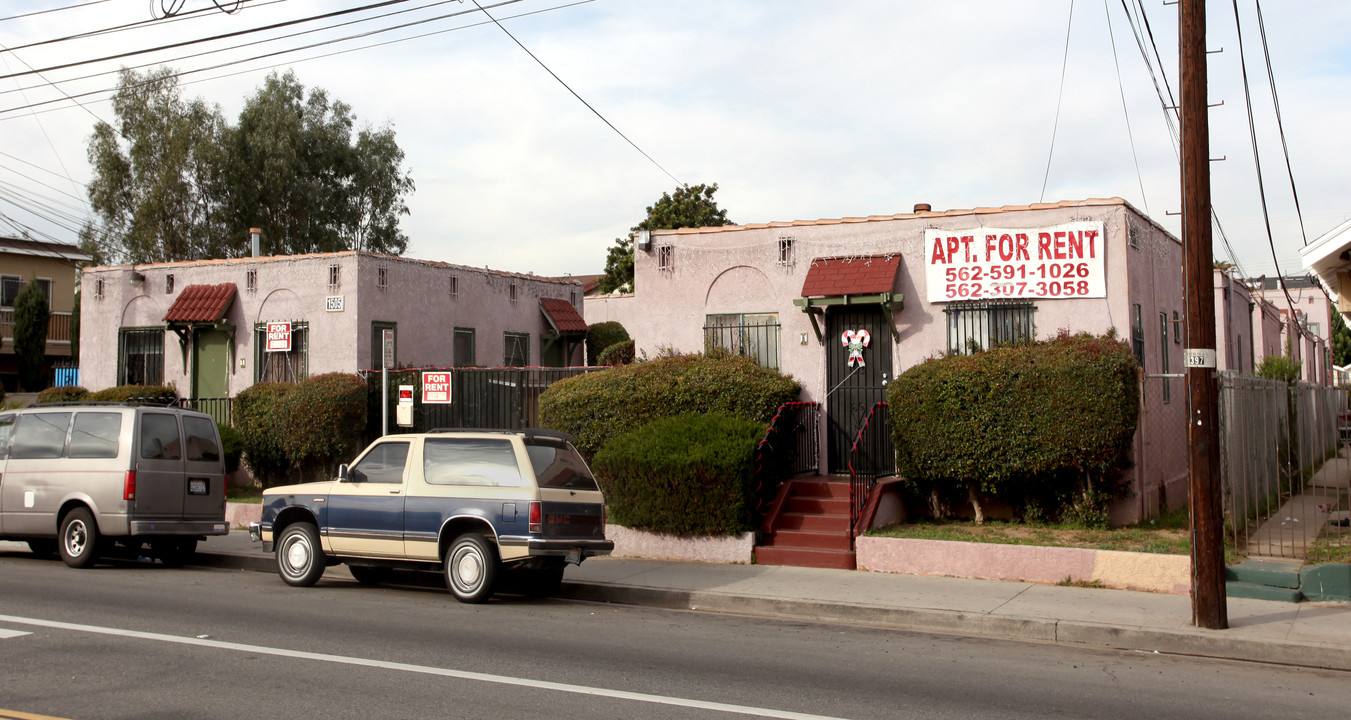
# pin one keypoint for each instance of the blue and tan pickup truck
(475, 504)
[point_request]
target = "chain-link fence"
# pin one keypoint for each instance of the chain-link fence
(1285, 464)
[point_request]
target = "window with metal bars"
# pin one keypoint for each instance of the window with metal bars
(666, 258)
(754, 335)
(98, 288)
(511, 292)
(978, 326)
(140, 356)
(251, 281)
(786, 252)
(382, 278)
(169, 284)
(453, 286)
(290, 366)
(334, 277)
(516, 351)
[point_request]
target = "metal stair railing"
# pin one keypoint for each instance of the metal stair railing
(797, 422)
(871, 456)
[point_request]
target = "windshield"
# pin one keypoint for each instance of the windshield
(559, 466)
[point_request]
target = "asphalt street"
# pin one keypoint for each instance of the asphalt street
(137, 641)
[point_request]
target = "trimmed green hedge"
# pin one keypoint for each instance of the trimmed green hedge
(621, 353)
(123, 393)
(597, 406)
(232, 446)
(601, 336)
(68, 393)
(257, 415)
(324, 417)
(684, 475)
(1032, 425)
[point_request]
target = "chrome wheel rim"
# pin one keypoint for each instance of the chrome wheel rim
(468, 568)
(77, 538)
(297, 555)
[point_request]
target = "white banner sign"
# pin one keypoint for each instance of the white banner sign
(278, 337)
(1062, 261)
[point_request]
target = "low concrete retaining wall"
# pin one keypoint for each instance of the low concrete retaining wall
(239, 515)
(658, 546)
(1026, 563)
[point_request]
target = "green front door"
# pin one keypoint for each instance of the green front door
(210, 364)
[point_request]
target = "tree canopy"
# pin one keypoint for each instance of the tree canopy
(690, 206)
(174, 180)
(31, 316)
(1341, 340)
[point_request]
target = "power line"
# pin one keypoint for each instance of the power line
(1124, 109)
(1060, 95)
(579, 97)
(1271, 78)
(35, 13)
(155, 22)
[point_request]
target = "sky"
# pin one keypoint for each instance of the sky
(797, 110)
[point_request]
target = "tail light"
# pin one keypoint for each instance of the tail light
(536, 517)
(129, 486)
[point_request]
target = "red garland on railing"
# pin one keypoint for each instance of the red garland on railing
(855, 486)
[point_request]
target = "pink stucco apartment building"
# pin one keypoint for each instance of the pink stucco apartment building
(917, 285)
(212, 328)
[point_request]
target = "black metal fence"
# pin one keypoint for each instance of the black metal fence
(790, 447)
(218, 408)
(491, 398)
(873, 455)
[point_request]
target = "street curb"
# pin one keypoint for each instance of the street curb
(1198, 643)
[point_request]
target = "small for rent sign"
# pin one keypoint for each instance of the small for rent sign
(435, 387)
(278, 337)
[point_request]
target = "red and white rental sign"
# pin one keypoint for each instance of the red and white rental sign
(279, 337)
(1061, 261)
(435, 387)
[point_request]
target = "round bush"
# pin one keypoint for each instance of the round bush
(597, 406)
(685, 475)
(621, 353)
(323, 416)
(258, 417)
(68, 393)
(232, 445)
(140, 393)
(601, 336)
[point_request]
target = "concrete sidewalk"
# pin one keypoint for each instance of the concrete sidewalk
(1308, 634)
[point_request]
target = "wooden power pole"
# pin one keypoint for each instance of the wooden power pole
(1203, 447)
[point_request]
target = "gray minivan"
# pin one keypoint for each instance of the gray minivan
(87, 479)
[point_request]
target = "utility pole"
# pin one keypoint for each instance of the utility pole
(1209, 608)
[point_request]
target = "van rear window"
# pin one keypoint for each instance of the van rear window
(559, 466)
(201, 439)
(159, 437)
(95, 435)
(40, 436)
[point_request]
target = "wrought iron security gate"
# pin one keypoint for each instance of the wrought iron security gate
(854, 385)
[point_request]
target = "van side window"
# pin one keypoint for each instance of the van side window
(159, 437)
(95, 435)
(383, 464)
(469, 461)
(6, 425)
(40, 436)
(201, 439)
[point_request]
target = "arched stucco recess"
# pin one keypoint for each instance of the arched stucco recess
(280, 305)
(740, 289)
(142, 311)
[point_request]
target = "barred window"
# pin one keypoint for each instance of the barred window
(1163, 350)
(511, 292)
(572, 298)
(454, 286)
(251, 280)
(98, 288)
(517, 350)
(169, 284)
(382, 278)
(10, 285)
(754, 335)
(786, 252)
(140, 356)
(291, 366)
(977, 326)
(666, 258)
(334, 277)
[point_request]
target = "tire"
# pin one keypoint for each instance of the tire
(471, 568)
(79, 541)
(174, 552)
(42, 547)
(541, 582)
(368, 575)
(300, 560)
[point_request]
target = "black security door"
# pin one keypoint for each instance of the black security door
(853, 389)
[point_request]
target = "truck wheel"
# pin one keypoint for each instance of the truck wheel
(79, 539)
(300, 560)
(471, 568)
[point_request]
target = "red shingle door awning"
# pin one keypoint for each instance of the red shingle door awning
(201, 304)
(857, 280)
(562, 316)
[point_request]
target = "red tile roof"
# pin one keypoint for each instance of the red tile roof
(562, 315)
(201, 303)
(863, 275)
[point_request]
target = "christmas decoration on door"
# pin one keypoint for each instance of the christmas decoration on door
(854, 341)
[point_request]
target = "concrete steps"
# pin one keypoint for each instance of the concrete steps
(1264, 580)
(811, 529)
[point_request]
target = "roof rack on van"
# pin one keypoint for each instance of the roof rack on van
(529, 433)
(132, 402)
(471, 430)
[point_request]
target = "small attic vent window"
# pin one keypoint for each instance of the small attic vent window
(251, 281)
(666, 258)
(786, 252)
(382, 278)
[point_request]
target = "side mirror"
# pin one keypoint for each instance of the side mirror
(342, 472)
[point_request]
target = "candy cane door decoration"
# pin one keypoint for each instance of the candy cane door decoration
(858, 360)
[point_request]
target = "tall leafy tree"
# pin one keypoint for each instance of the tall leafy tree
(689, 206)
(175, 181)
(31, 316)
(1341, 340)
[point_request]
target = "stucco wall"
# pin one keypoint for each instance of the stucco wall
(416, 297)
(738, 269)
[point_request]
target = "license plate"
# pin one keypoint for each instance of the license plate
(196, 486)
(575, 556)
